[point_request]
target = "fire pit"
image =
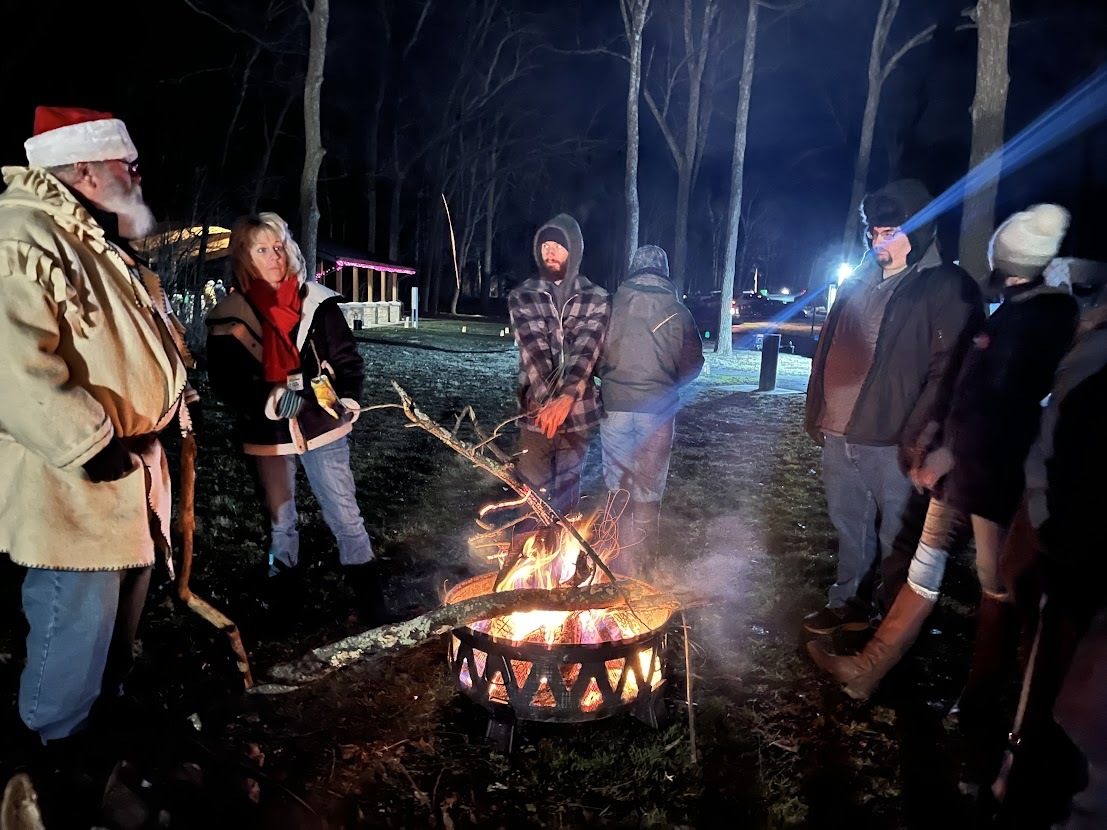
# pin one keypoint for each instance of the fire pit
(558, 666)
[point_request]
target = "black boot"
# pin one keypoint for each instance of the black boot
(984, 720)
(369, 602)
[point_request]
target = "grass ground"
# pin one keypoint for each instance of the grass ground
(390, 744)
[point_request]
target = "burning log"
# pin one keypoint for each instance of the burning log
(325, 660)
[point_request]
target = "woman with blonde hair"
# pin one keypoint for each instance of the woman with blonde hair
(282, 357)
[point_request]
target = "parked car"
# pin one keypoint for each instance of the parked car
(705, 309)
(757, 307)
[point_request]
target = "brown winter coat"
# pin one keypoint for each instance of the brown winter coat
(87, 353)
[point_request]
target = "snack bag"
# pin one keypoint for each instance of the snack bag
(325, 395)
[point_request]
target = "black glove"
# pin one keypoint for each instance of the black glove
(110, 464)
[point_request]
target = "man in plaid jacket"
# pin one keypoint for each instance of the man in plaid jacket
(559, 318)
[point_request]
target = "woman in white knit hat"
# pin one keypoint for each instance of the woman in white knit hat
(973, 462)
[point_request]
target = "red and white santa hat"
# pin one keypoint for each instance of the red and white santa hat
(66, 135)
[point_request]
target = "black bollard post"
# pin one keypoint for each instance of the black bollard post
(770, 353)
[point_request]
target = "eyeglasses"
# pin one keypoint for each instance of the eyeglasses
(132, 166)
(877, 234)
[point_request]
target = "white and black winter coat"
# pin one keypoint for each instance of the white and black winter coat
(235, 330)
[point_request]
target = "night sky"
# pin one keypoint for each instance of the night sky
(176, 77)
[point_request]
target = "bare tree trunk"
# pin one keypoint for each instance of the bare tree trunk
(680, 243)
(238, 106)
(687, 154)
(686, 173)
(394, 219)
(372, 160)
(373, 147)
(724, 343)
(439, 243)
(851, 236)
(989, 111)
(489, 236)
(313, 132)
(879, 70)
(267, 154)
(634, 21)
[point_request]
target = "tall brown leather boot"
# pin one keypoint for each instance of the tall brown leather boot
(862, 673)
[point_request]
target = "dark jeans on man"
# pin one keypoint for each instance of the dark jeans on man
(552, 466)
(877, 513)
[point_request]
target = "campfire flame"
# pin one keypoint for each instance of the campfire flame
(551, 560)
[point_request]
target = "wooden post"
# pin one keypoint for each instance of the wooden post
(395, 288)
(369, 285)
(384, 292)
(357, 284)
(338, 279)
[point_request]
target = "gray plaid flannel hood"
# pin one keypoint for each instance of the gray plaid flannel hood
(568, 226)
(559, 348)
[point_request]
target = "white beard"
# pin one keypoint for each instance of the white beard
(136, 220)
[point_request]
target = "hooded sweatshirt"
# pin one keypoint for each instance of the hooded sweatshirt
(653, 348)
(559, 342)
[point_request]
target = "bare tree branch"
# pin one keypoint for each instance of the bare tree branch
(922, 37)
(418, 28)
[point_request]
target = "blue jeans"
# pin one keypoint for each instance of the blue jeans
(80, 643)
(877, 514)
(332, 482)
(637, 447)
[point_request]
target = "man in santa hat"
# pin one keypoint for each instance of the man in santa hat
(94, 368)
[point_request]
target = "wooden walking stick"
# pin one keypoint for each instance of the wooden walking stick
(187, 519)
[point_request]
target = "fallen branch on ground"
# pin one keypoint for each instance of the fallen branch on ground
(324, 660)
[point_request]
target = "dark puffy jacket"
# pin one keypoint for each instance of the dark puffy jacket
(652, 348)
(996, 408)
(1073, 532)
(927, 327)
(235, 371)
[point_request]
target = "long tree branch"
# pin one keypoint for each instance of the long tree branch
(322, 661)
(918, 40)
(418, 29)
(235, 29)
(670, 139)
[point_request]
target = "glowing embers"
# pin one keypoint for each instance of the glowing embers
(591, 669)
(544, 697)
(497, 689)
(592, 698)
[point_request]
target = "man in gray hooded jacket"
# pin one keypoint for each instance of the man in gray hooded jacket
(653, 348)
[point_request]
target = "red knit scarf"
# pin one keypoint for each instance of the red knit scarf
(281, 310)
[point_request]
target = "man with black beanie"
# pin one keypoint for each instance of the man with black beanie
(880, 375)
